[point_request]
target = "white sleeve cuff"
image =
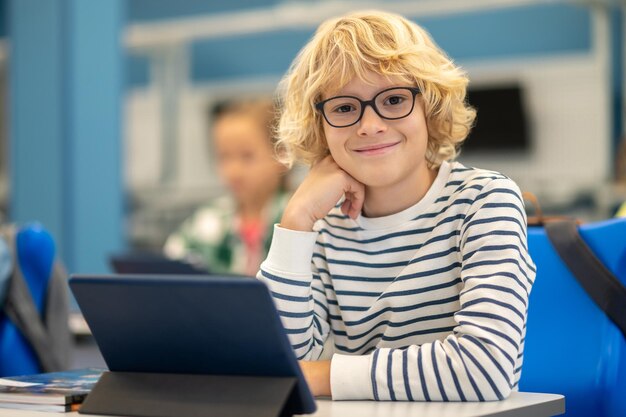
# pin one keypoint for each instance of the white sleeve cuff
(350, 377)
(291, 251)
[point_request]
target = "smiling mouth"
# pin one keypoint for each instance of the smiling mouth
(375, 149)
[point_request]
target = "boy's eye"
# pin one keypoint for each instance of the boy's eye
(394, 100)
(344, 108)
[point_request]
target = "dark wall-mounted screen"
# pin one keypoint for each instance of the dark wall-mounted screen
(501, 121)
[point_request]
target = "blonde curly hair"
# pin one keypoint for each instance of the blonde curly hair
(380, 42)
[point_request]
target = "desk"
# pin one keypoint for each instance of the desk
(519, 404)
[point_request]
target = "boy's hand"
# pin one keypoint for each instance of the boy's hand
(325, 184)
(317, 375)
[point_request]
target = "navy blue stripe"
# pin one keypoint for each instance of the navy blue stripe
(291, 297)
(352, 308)
(457, 202)
(491, 233)
(474, 223)
(499, 262)
(430, 272)
(382, 337)
(498, 288)
(501, 248)
(363, 264)
(398, 309)
(497, 364)
(318, 325)
(467, 372)
(437, 375)
(497, 274)
(390, 264)
(448, 329)
(464, 169)
(338, 216)
(393, 249)
(485, 373)
(492, 301)
(283, 313)
(515, 207)
(475, 183)
(322, 306)
(285, 280)
(392, 394)
(297, 331)
(396, 234)
(405, 374)
(319, 290)
(492, 317)
(420, 369)
(490, 330)
(362, 279)
(457, 384)
(500, 191)
(468, 186)
(373, 375)
(435, 255)
(334, 226)
(421, 290)
(381, 295)
(391, 324)
(495, 345)
(319, 341)
(358, 293)
(301, 345)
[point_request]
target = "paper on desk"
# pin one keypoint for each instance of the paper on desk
(12, 383)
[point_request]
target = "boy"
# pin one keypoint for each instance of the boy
(421, 274)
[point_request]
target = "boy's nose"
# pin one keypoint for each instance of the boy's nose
(371, 123)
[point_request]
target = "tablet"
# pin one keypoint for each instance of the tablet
(189, 324)
(152, 263)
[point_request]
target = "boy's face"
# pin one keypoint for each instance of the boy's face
(378, 152)
(245, 158)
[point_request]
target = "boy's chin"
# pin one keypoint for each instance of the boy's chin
(374, 179)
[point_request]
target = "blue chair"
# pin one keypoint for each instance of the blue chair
(35, 254)
(571, 347)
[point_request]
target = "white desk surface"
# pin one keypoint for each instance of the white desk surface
(519, 404)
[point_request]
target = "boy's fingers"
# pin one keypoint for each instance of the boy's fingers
(345, 206)
(358, 198)
(354, 197)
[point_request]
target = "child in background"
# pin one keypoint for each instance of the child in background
(421, 273)
(232, 234)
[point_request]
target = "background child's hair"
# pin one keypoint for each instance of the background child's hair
(262, 110)
(381, 42)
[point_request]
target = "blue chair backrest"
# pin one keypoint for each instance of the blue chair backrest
(35, 253)
(571, 347)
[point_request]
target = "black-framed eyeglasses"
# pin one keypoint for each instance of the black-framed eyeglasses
(391, 104)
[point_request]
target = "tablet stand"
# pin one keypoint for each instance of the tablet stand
(175, 395)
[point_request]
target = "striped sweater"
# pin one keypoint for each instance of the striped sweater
(428, 304)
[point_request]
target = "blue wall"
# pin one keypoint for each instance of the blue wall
(66, 79)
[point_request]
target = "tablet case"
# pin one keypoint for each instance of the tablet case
(189, 345)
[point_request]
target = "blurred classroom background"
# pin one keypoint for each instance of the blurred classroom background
(104, 117)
